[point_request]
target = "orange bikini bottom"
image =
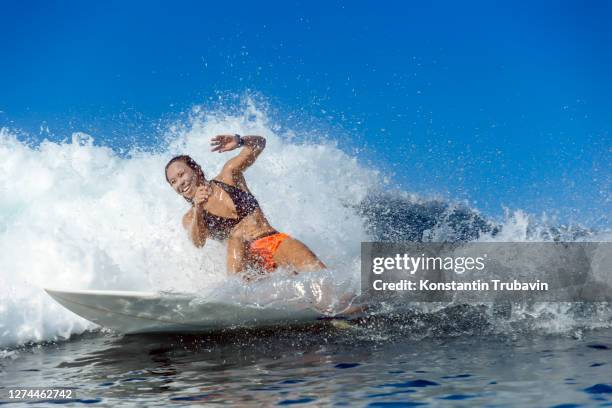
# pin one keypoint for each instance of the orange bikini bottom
(263, 249)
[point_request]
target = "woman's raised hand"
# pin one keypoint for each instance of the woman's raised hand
(224, 143)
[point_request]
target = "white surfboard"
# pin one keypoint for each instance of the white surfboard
(148, 312)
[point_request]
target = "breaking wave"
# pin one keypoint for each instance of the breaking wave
(78, 215)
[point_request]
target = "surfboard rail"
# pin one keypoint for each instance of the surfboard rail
(148, 312)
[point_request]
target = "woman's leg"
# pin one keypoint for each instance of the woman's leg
(293, 254)
(236, 256)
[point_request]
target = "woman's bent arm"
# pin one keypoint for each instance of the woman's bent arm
(196, 228)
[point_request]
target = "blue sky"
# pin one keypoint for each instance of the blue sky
(500, 103)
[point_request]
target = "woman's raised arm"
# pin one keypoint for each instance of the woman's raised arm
(252, 147)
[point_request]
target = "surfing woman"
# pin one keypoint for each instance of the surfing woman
(223, 208)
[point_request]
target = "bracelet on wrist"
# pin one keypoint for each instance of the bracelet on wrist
(240, 140)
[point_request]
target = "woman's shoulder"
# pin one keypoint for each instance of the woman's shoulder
(225, 177)
(225, 180)
(232, 180)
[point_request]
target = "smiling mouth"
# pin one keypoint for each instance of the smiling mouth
(185, 190)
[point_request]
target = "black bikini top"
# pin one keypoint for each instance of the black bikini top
(245, 203)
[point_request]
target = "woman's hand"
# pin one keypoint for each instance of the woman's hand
(202, 194)
(225, 143)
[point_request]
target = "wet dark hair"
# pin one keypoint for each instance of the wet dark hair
(190, 163)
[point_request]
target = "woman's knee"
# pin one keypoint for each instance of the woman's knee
(292, 252)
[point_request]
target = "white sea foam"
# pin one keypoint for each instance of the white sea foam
(76, 215)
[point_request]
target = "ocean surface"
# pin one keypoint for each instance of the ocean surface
(323, 365)
(80, 215)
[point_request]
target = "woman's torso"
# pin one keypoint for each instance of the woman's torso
(233, 212)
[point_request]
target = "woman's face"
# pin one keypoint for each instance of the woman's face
(182, 179)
